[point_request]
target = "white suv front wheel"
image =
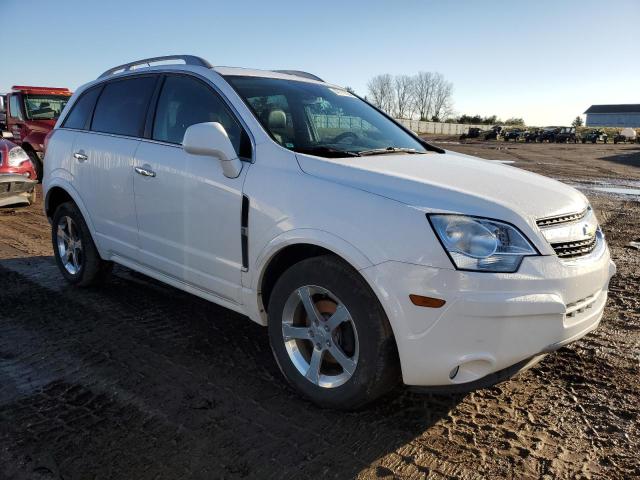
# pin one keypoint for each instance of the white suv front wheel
(330, 335)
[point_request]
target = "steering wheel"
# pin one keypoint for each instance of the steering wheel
(343, 136)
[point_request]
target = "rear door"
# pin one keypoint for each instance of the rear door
(103, 161)
(188, 211)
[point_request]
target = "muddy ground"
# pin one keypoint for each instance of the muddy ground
(138, 380)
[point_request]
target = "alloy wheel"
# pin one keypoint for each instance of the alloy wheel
(320, 336)
(69, 245)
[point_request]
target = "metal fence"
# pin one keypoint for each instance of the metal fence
(346, 122)
(438, 128)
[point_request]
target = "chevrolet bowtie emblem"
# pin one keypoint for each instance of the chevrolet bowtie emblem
(588, 230)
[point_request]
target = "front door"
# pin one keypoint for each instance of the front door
(188, 211)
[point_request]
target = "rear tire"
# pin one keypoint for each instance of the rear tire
(76, 255)
(366, 363)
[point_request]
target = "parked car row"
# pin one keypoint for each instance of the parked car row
(551, 135)
(546, 134)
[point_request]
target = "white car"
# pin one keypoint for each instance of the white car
(372, 256)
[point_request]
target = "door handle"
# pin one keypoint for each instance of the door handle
(81, 157)
(144, 172)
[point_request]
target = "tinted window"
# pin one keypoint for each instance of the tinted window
(122, 106)
(14, 107)
(185, 101)
(81, 110)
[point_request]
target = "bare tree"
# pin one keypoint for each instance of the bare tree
(423, 94)
(428, 94)
(442, 103)
(381, 92)
(403, 86)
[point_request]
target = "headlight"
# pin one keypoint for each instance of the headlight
(17, 156)
(481, 244)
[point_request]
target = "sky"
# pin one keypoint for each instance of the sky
(545, 61)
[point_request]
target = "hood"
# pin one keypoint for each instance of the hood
(451, 182)
(41, 125)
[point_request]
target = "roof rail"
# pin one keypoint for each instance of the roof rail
(300, 73)
(187, 59)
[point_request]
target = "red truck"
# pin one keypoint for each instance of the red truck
(31, 113)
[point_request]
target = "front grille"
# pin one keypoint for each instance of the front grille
(560, 219)
(575, 249)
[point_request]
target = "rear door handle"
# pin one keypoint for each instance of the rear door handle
(81, 157)
(145, 172)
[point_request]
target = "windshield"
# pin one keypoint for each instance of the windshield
(321, 120)
(44, 107)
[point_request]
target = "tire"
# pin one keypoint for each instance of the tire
(33, 197)
(37, 163)
(82, 266)
(365, 340)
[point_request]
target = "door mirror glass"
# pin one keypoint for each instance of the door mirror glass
(210, 139)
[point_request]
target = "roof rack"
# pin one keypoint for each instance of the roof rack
(187, 59)
(300, 73)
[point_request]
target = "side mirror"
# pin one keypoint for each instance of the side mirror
(211, 140)
(8, 135)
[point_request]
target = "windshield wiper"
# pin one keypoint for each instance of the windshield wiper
(383, 151)
(326, 152)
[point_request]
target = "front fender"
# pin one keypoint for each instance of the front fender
(252, 279)
(349, 252)
(35, 140)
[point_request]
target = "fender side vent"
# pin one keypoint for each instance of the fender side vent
(244, 232)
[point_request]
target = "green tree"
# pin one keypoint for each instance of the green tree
(514, 121)
(577, 122)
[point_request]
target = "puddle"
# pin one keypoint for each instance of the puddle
(619, 190)
(628, 189)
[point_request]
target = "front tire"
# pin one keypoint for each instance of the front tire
(330, 335)
(76, 255)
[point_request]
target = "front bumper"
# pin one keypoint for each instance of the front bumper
(15, 189)
(490, 321)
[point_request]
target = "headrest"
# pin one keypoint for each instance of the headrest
(277, 119)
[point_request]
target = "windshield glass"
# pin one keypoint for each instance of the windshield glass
(44, 107)
(321, 120)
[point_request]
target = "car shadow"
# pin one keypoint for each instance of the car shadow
(136, 379)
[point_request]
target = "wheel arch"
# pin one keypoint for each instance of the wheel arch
(59, 191)
(294, 246)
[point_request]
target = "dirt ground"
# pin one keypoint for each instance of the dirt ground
(137, 380)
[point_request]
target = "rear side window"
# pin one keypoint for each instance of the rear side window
(122, 106)
(185, 101)
(80, 114)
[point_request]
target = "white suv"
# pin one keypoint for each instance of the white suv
(372, 256)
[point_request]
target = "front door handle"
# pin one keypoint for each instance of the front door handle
(81, 157)
(145, 172)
